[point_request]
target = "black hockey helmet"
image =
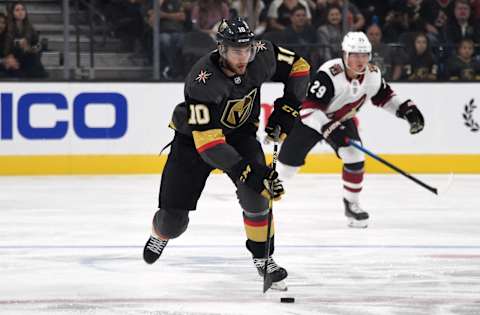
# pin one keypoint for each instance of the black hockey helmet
(235, 32)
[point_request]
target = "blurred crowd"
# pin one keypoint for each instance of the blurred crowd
(20, 48)
(412, 39)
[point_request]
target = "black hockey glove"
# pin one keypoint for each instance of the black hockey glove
(412, 114)
(261, 178)
(284, 116)
(336, 134)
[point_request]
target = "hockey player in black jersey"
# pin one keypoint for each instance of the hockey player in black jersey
(336, 93)
(215, 128)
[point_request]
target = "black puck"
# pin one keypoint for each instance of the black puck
(287, 300)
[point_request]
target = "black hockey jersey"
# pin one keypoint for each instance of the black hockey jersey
(217, 105)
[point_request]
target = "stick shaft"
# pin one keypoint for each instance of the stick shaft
(395, 168)
(267, 283)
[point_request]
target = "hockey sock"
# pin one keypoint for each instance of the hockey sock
(256, 227)
(258, 248)
(352, 181)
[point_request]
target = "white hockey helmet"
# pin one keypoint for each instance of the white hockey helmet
(356, 42)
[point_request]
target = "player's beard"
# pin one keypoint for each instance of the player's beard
(241, 69)
(238, 69)
(234, 68)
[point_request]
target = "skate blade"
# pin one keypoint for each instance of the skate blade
(357, 224)
(279, 286)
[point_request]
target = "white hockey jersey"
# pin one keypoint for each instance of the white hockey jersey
(334, 96)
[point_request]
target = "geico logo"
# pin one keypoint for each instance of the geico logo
(60, 127)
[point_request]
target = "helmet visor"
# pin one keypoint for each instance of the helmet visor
(235, 51)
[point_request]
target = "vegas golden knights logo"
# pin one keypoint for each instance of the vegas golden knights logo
(237, 111)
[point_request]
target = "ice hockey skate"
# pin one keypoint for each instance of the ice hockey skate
(153, 249)
(357, 217)
(277, 273)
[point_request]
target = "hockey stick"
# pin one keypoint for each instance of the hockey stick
(267, 279)
(395, 168)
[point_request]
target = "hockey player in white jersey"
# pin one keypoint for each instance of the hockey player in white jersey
(337, 91)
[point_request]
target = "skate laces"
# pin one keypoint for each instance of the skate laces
(155, 245)
(271, 265)
(355, 207)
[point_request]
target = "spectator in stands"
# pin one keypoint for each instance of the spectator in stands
(374, 10)
(330, 35)
(127, 19)
(300, 34)
(319, 13)
(388, 59)
(402, 20)
(207, 14)
(7, 63)
(476, 9)
(463, 66)
(22, 42)
(462, 26)
(259, 22)
(436, 14)
(280, 11)
(172, 16)
(311, 4)
(267, 3)
(355, 18)
(421, 63)
(172, 19)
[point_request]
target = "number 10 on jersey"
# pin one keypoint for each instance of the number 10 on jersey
(199, 115)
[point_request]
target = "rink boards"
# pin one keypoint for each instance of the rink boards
(120, 128)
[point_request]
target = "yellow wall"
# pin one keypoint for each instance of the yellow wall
(150, 164)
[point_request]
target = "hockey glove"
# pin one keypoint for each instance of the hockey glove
(284, 116)
(336, 134)
(412, 114)
(260, 178)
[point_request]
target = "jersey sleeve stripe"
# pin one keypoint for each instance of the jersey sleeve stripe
(382, 102)
(299, 74)
(205, 140)
(300, 68)
(384, 95)
(210, 145)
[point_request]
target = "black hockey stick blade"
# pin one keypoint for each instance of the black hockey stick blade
(267, 282)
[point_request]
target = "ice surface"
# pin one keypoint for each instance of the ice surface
(72, 245)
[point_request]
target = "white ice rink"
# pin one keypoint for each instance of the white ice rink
(73, 245)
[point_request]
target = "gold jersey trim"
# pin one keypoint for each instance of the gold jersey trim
(300, 66)
(202, 138)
